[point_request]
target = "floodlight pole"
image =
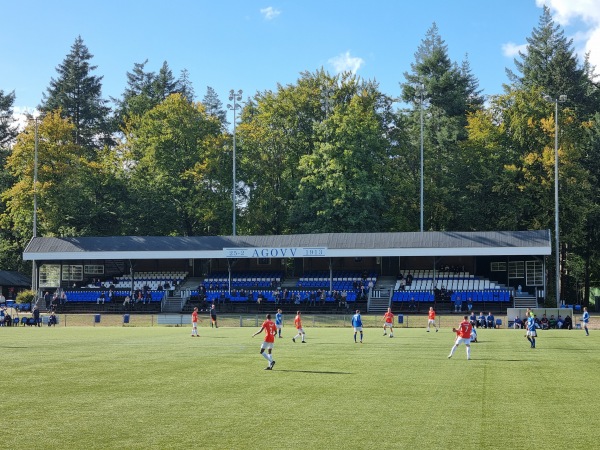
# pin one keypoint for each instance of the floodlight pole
(235, 97)
(560, 98)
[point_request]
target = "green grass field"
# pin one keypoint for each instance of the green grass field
(156, 387)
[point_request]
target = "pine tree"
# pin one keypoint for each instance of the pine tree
(7, 128)
(214, 106)
(78, 94)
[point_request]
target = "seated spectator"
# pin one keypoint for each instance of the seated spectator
(469, 304)
(127, 300)
(8, 320)
(568, 325)
(481, 322)
(52, 320)
(552, 321)
(412, 305)
(544, 322)
(100, 298)
(402, 284)
(457, 302)
(473, 319)
(2, 316)
(490, 322)
(518, 323)
(560, 322)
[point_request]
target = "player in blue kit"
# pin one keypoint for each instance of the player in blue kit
(531, 333)
(585, 319)
(279, 321)
(358, 325)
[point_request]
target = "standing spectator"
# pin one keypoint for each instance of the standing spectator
(463, 336)
(195, 322)
(213, 316)
(357, 325)
(47, 300)
(431, 320)
(388, 321)
(270, 330)
(298, 323)
(36, 316)
(279, 322)
(585, 318)
(531, 334)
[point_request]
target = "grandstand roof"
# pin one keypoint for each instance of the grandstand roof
(434, 243)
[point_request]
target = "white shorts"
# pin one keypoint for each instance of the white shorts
(267, 345)
(356, 329)
(194, 325)
(387, 324)
(430, 321)
(279, 327)
(460, 340)
(300, 330)
(531, 333)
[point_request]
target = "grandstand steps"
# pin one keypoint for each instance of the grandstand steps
(379, 304)
(525, 301)
(290, 283)
(172, 305)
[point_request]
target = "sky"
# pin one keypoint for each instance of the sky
(256, 45)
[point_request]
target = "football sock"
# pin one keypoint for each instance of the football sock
(354, 337)
(468, 352)
(533, 342)
(266, 356)
(452, 351)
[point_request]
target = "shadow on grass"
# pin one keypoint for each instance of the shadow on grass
(314, 371)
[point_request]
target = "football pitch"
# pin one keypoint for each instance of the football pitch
(157, 387)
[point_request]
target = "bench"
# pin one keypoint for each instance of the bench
(174, 319)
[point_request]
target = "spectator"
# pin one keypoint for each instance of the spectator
(473, 319)
(412, 305)
(2, 316)
(100, 298)
(469, 304)
(490, 323)
(36, 316)
(568, 325)
(47, 300)
(409, 279)
(402, 284)
(52, 320)
(481, 320)
(552, 321)
(559, 322)
(518, 323)
(544, 322)
(457, 301)
(127, 300)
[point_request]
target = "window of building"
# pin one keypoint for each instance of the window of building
(534, 271)
(49, 275)
(516, 269)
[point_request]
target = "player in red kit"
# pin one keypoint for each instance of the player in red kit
(388, 321)
(463, 336)
(270, 329)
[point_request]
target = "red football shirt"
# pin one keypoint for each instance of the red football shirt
(270, 330)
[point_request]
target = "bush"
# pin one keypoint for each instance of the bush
(26, 297)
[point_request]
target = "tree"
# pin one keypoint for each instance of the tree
(7, 127)
(448, 93)
(173, 151)
(78, 95)
(214, 106)
(145, 90)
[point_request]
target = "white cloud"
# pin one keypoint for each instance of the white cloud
(565, 12)
(510, 49)
(344, 62)
(270, 13)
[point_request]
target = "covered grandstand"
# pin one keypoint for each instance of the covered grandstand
(481, 267)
